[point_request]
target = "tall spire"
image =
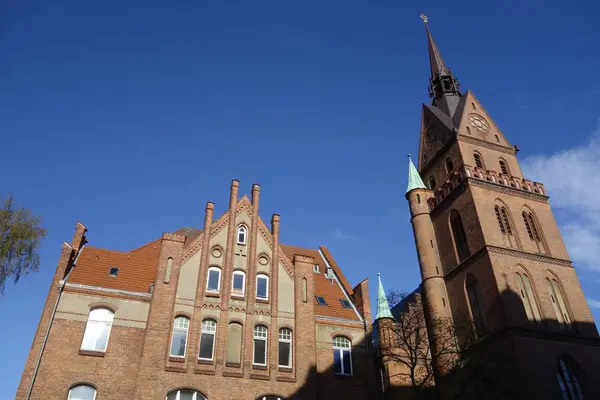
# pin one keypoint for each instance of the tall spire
(443, 86)
(383, 308)
(414, 179)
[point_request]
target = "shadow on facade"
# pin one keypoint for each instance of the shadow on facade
(517, 359)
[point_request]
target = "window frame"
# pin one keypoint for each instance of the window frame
(504, 167)
(266, 277)
(81, 385)
(197, 395)
(477, 157)
(208, 332)
(187, 333)
(346, 302)
(342, 348)
(93, 324)
(234, 291)
(527, 295)
(319, 303)
(559, 304)
(244, 231)
(210, 269)
(568, 381)
(264, 338)
(289, 340)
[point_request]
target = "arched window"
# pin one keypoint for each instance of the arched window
(342, 355)
(271, 397)
(499, 218)
(262, 287)
(97, 330)
(418, 199)
(504, 167)
(234, 343)
(285, 347)
(168, 269)
(532, 230)
(82, 392)
(432, 183)
(558, 303)
(568, 381)
(528, 298)
(180, 335)
(475, 304)
(497, 139)
(478, 160)
(449, 166)
(260, 345)
(242, 234)
(207, 339)
(460, 238)
(213, 283)
(238, 283)
(185, 394)
(304, 290)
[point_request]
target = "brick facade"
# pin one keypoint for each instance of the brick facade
(168, 278)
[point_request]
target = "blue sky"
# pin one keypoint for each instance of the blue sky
(130, 116)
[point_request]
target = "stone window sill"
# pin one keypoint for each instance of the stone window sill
(177, 359)
(212, 294)
(260, 367)
(285, 379)
(260, 377)
(286, 369)
(91, 353)
(263, 301)
(205, 362)
(233, 365)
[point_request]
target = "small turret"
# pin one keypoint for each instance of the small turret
(383, 307)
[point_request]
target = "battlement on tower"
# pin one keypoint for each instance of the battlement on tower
(465, 171)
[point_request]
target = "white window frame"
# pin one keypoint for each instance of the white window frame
(218, 281)
(98, 321)
(260, 332)
(197, 395)
(261, 276)
(243, 274)
(180, 329)
(244, 231)
(341, 344)
(76, 386)
(316, 268)
(208, 330)
(286, 336)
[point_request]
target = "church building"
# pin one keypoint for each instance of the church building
(225, 313)
(497, 281)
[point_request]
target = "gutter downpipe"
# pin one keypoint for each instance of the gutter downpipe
(61, 286)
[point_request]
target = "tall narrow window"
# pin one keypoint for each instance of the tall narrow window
(285, 347)
(342, 355)
(432, 183)
(558, 303)
(260, 345)
(528, 298)
(449, 166)
(460, 238)
(238, 283)
(180, 334)
(304, 290)
(213, 283)
(168, 269)
(506, 221)
(568, 382)
(504, 167)
(499, 218)
(262, 287)
(207, 339)
(475, 304)
(241, 234)
(234, 343)
(478, 161)
(533, 231)
(97, 330)
(82, 392)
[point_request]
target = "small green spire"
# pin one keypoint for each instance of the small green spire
(383, 308)
(414, 179)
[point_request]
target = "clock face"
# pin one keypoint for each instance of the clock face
(478, 122)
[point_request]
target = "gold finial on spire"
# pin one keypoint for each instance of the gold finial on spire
(424, 18)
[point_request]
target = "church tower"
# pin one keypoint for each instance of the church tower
(491, 254)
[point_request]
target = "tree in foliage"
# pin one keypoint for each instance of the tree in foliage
(20, 237)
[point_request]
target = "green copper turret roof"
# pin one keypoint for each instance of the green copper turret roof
(414, 179)
(383, 308)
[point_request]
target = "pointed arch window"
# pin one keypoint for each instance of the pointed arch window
(532, 230)
(478, 160)
(242, 234)
(449, 165)
(475, 304)
(504, 167)
(503, 220)
(558, 303)
(528, 297)
(432, 183)
(460, 238)
(568, 381)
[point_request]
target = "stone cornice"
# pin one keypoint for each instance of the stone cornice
(488, 145)
(508, 190)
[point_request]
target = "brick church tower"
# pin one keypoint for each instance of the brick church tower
(491, 254)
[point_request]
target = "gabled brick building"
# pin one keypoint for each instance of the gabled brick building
(493, 265)
(227, 312)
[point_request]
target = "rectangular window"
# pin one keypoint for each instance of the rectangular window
(207, 342)
(316, 268)
(262, 287)
(214, 278)
(345, 303)
(285, 347)
(321, 300)
(114, 271)
(238, 284)
(178, 344)
(260, 352)
(342, 363)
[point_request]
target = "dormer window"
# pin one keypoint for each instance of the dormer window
(114, 271)
(242, 234)
(316, 268)
(345, 303)
(321, 300)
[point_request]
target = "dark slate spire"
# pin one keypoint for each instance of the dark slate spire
(443, 86)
